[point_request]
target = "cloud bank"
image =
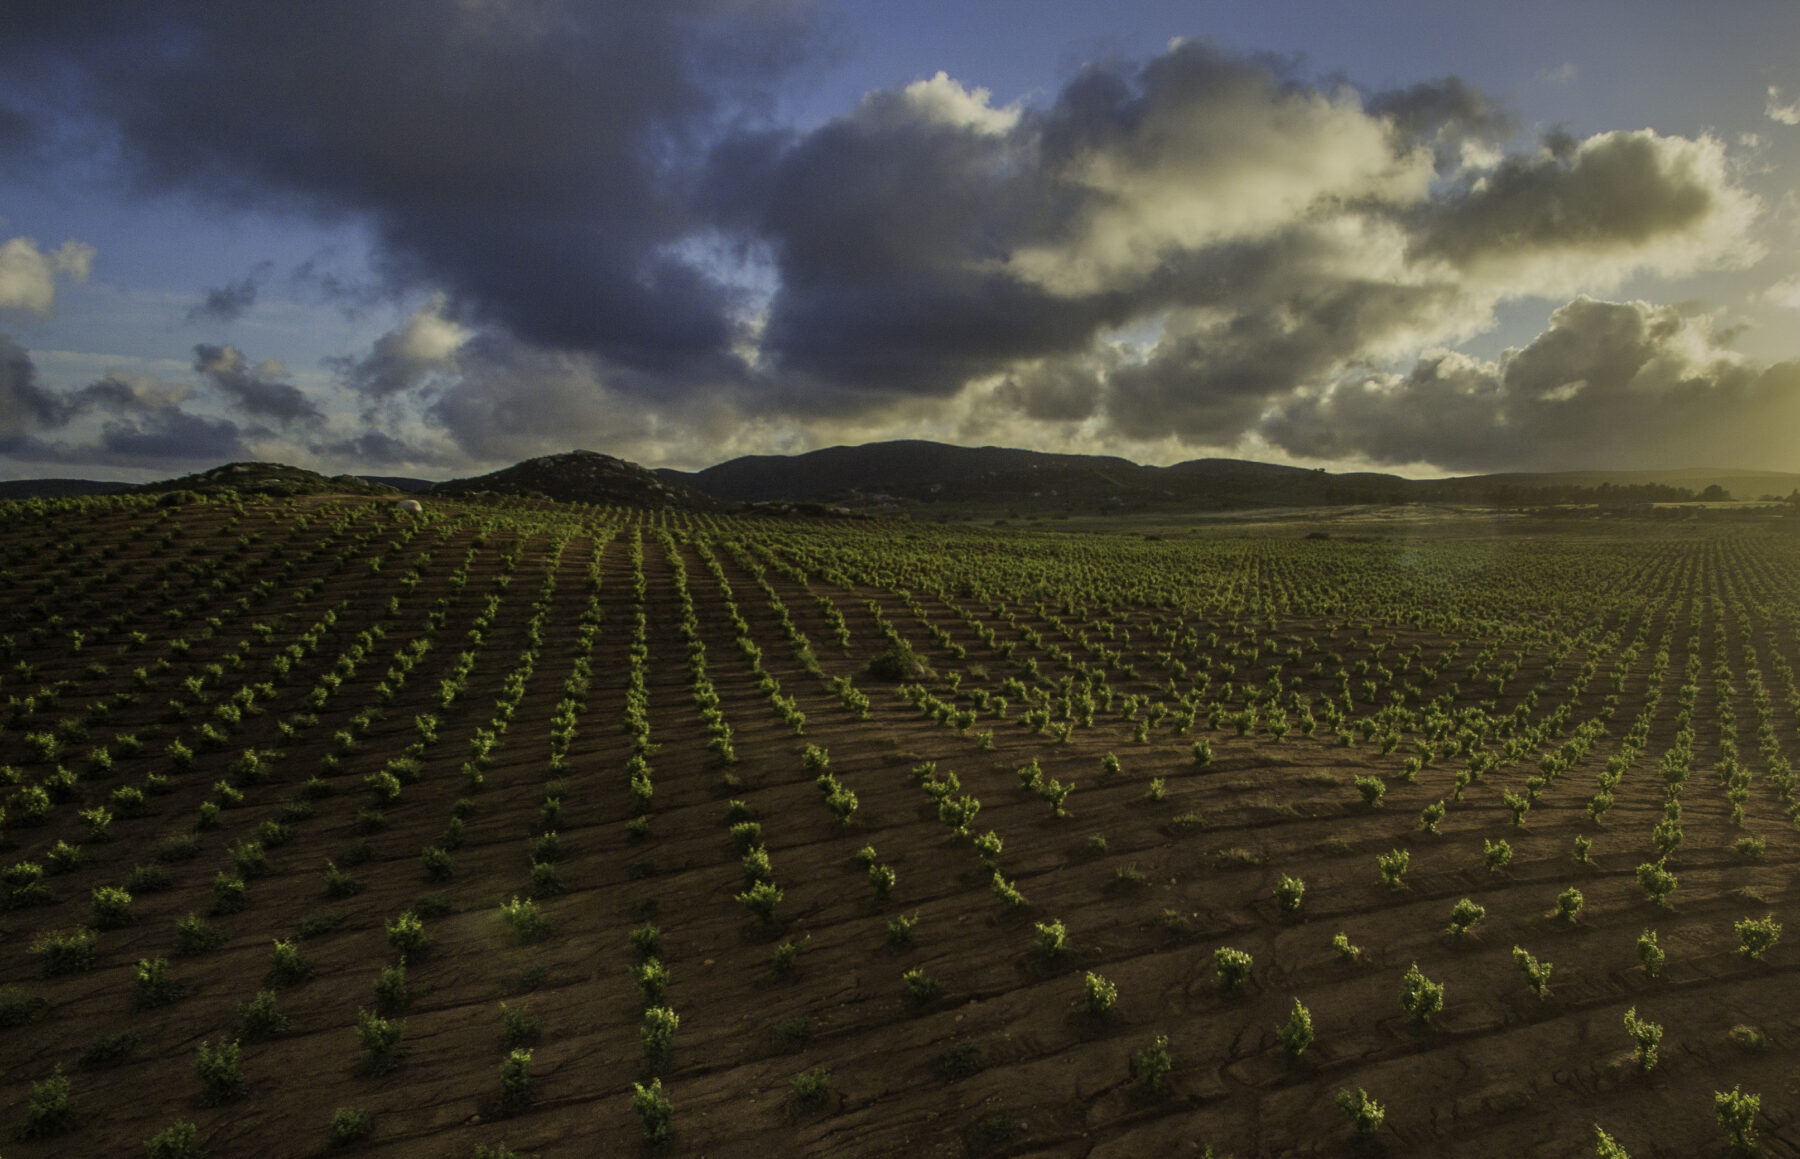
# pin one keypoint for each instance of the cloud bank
(615, 245)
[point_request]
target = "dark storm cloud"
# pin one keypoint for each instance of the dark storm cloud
(24, 405)
(228, 303)
(1607, 384)
(527, 157)
(253, 389)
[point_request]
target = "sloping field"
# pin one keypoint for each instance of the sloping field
(540, 830)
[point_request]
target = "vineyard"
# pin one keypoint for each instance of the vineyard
(526, 828)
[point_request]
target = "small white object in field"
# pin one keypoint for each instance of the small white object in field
(409, 507)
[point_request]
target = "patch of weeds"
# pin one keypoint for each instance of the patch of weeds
(390, 989)
(527, 922)
(1095, 846)
(640, 869)
(357, 852)
(230, 894)
(17, 1007)
(791, 1032)
(181, 847)
(432, 905)
(654, 1112)
(149, 879)
(1129, 877)
(1237, 857)
(316, 924)
(1748, 1037)
(407, 934)
(107, 1050)
(992, 1130)
(958, 1061)
(531, 978)
(179, 1140)
(194, 935)
(900, 931)
(339, 884)
(1174, 923)
(515, 1081)
(812, 1087)
(59, 952)
(380, 1039)
(151, 985)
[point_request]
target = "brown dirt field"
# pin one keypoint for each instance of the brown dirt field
(1498, 1072)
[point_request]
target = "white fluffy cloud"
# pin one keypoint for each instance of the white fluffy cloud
(28, 274)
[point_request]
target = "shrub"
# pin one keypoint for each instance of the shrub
(1430, 816)
(1583, 847)
(1757, 935)
(1568, 905)
(1496, 855)
(380, 1039)
(1537, 974)
(547, 847)
(194, 936)
(230, 894)
(111, 907)
(1365, 1114)
(220, 1072)
(287, 966)
(349, 1124)
(1233, 967)
(515, 1080)
(63, 858)
(761, 900)
(1645, 1037)
(1392, 865)
(1346, 952)
(1006, 891)
(1053, 937)
(181, 847)
(406, 934)
(1420, 997)
(151, 985)
(1463, 916)
(1736, 1112)
(1288, 893)
(657, 1035)
(1150, 1066)
(1650, 955)
(339, 884)
(900, 930)
(148, 879)
(1606, 1147)
(65, 953)
(920, 987)
(437, 863)
(390, 988)
(1296, 1034)
(652, 978)
(545, 881)
(1658, 883)
(1202, 752)
(179, 1140)
(646, 940)
(261, 1017)
(1098, 994)
(881, 880)
(17, 1007)
(958, 1061)
(784, 956)
(1155, 791)
(811, 1087)
(654, 1111)
(1372, 790)
(527, 922)
(51, 1111)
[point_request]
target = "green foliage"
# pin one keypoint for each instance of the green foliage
(261, 1017)
(761, 900)
(1657, 882)
(657, 1035)
(60, 952)
(1568, 905)
(220, 1071)
(1420, 997)
(287, 965)
(1150, 1066)
(193, 935)
(1737, 1113)
(900, 930)
(380, 1040)
(350, 1125)
(1233, 967)
(652, 978)
(1650, 954)
(920, 987)
(1606, 1147)
(1296, 1034)
(1346, 952)
(1365, 1114)
(1645, 1038)
(1392, 865)
(1537, 974)
(151, 985)
(811, 1087)
(1372, 790)
(1496, 855)
(1431, 816)
(111, 907)
(390, 988)
(1098, 995)
(1756, 936)
(654, 1112)
(179, 1140)
(1288, 893)
(1053, 937)
(515, 1080)
(406, 934)
(51, 1110)
(1463, 917)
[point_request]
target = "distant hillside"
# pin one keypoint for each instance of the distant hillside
(909, 472)
(584, 477)
(269, 479)
(58, 488)
(912, 472)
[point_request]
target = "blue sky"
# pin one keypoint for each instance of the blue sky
(433, 238)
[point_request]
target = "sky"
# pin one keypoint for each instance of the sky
(435, 237)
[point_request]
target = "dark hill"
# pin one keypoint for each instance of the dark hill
(584, 477)
(268, 479)
(58, 488)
